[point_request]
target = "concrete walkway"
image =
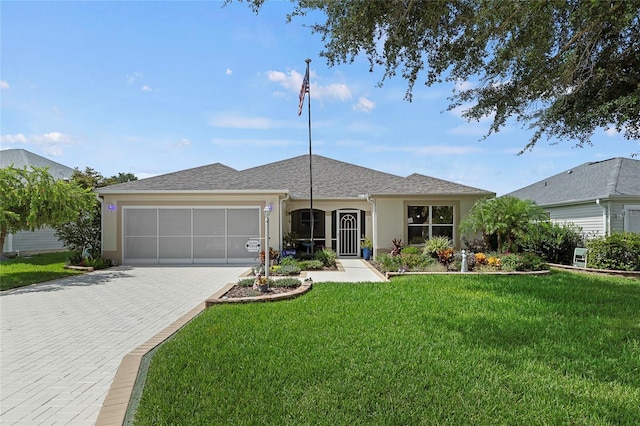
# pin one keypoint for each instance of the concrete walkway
(61, 342)
(355, 270)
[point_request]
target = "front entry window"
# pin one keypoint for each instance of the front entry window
(428, 221)
(301, 224)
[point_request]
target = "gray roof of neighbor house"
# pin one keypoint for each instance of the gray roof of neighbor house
(332, 179)
(20, 158)
(615, 177)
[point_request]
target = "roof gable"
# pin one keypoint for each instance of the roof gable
(421, 184)
(332, 179)
(20, 158)
(615, 177)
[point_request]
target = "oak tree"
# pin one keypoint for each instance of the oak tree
(561, 68)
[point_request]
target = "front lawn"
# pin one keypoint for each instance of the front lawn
(557, 349)
(23, 271)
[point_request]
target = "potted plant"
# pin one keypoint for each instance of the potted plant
(290, 240)
(367, 246)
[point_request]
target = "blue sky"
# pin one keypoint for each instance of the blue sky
(155, 87)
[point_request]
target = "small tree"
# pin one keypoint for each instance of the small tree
(30, 199)
(84, 231)
(506, 217)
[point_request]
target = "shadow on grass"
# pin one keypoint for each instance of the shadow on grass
(84, 280)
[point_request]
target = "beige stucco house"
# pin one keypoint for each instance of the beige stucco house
(215, 214)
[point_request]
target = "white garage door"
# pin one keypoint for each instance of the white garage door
(153, 235)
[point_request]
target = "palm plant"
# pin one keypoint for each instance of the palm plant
(508, 218)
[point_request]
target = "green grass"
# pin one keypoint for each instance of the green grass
(556, 349)
(22, 271)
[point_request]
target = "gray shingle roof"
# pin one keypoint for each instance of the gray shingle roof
(615, 177)
(20, 158)
(332, 179)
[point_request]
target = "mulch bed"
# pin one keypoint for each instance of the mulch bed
(240, 291)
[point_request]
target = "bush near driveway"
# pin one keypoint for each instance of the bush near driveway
(453, 349)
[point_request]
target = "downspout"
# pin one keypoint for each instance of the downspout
(282, 202)
(605, 228)
(374, 223)
(101, 201)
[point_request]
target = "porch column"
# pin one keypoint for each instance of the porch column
(327, 228)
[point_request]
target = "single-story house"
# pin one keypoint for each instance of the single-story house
(40, 240)
(215, 214)
(601, 197)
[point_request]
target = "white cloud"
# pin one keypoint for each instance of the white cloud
(469, 129)
(4, 85)
(292, 82)
(228, 71)
(426, 149)
(133, 77)
(611, 132)
(239, 122)
(146, 88)
(19, 138)
(462, 85)
(261, 143)
(364, 105)
(53, 143)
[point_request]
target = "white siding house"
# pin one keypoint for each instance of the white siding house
(40, 240)
(600, 197)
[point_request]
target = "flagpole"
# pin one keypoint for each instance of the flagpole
(310, 166)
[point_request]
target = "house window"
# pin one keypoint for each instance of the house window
(301, 223)
(424, 222)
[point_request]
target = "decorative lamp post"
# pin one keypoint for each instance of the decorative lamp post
(267, 254)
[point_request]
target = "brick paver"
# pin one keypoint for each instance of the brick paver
(61, 342)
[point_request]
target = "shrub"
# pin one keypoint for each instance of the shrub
(290, 269)
(481, 258)
(411, 250)
(445, 256)
(554, 242)
(619, 251)
(410, 260)
(311, 265)
(522, 262)
(286, 282)
(289, 260)
(246, 282)
(388, 263)
(327, 257)
(436, 244)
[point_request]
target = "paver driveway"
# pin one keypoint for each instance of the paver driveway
(61, 342)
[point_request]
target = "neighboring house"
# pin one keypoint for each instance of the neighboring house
(214, 214)
(40, 240)
(600, 197)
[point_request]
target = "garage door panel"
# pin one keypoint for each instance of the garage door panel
(174, 247)
(209, 247)
(141, 222)
(243, 222)
(209, 222)
(140, 248)
(237, 248)
(174, 222)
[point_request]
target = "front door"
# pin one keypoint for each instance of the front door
(348, 232)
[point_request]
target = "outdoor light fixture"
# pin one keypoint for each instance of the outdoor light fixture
(267, 254)
(111, 207)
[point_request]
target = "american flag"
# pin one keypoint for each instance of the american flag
(304, 89)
